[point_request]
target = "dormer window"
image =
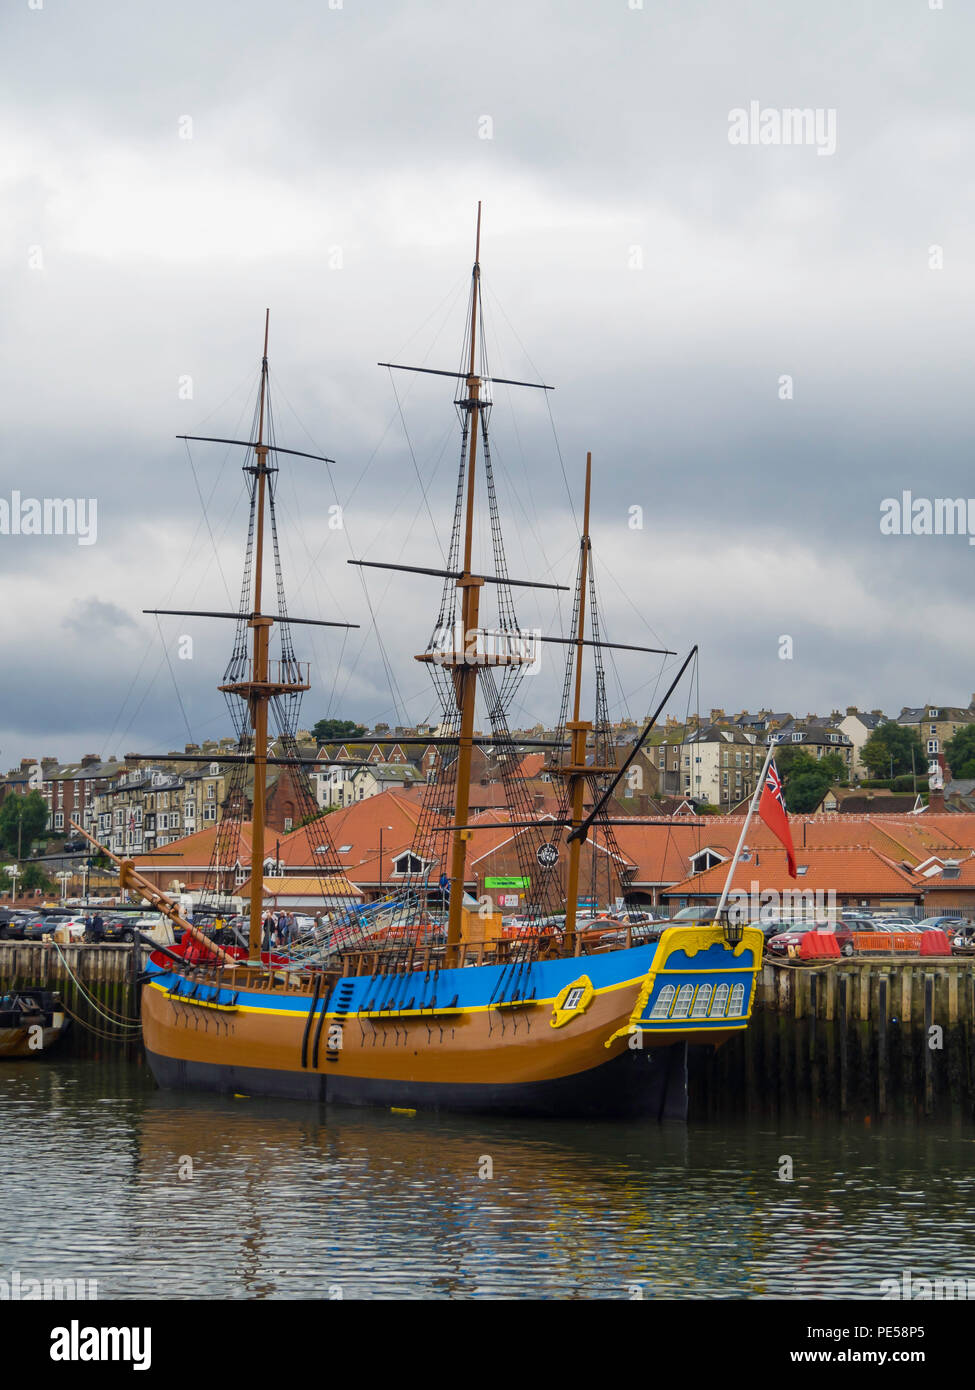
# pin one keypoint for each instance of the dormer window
(408, 863)
(797, 738)
(214, 769)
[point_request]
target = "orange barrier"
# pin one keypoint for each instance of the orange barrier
(935, 943)
(818, 945)
(884, 942)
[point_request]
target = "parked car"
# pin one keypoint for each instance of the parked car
(949, 925)
(119, 928)
(73, 927)
(36, 927)
(787, 942)
(13, 920)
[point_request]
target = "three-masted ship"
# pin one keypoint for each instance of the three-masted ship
(382, 1010)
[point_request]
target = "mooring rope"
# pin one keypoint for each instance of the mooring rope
(96, 1032)
(112, 1016)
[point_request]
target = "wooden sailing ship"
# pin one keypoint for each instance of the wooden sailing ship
(479, 1021)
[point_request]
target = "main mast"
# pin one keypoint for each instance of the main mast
(464, 672)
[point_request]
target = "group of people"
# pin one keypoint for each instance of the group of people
(282, 929)
(94, 927)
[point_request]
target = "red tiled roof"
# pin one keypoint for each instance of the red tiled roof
(862, 870)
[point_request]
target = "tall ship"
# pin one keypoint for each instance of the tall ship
(386, 1004)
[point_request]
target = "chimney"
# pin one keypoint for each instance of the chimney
(936, 800)
(25, 763)
(90, 759)
(852, 709)
(539, 801)
(878, 712)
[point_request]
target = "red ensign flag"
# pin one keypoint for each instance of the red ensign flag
(771, 808)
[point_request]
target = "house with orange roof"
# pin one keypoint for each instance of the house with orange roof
(850, 877)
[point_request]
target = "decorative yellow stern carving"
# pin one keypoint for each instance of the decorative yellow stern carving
(573, 1001)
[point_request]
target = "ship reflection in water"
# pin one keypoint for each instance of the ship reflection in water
(280, 1200)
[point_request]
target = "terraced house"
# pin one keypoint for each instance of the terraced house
(936, 724)
(816, 736)
(149, 806)
(715, 763)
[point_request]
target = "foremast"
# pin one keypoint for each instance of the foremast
(257, 689)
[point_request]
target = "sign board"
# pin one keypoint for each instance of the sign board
(509, 899)
(520, 884)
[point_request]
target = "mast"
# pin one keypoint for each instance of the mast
(258, 697)
(464, 673)
(580, 729)
(257, 686)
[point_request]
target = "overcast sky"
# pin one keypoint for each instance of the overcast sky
(170, 170)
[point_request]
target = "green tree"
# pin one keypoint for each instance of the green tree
(328, 729)
(22, 820)
(960, 752)
(806, 779)
(897, 741)
(35, 877)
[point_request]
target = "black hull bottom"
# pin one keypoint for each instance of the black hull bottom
(649, 1084)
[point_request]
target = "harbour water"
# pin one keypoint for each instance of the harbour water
(156, 1195)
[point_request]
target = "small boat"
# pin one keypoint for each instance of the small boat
(31, 1022)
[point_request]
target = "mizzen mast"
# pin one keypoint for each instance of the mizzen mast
(575, 770)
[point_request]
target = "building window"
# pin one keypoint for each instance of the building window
(934, 728)
(932, 745)
(59, 821)
(287, 823)
(737, 1005)
(406, 864)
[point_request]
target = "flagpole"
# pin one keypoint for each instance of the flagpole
(744, 831)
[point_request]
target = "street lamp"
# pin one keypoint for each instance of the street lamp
(64, 875)
(13, 872)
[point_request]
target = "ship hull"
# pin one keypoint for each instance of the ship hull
(578, 1036)
(633, 1085)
